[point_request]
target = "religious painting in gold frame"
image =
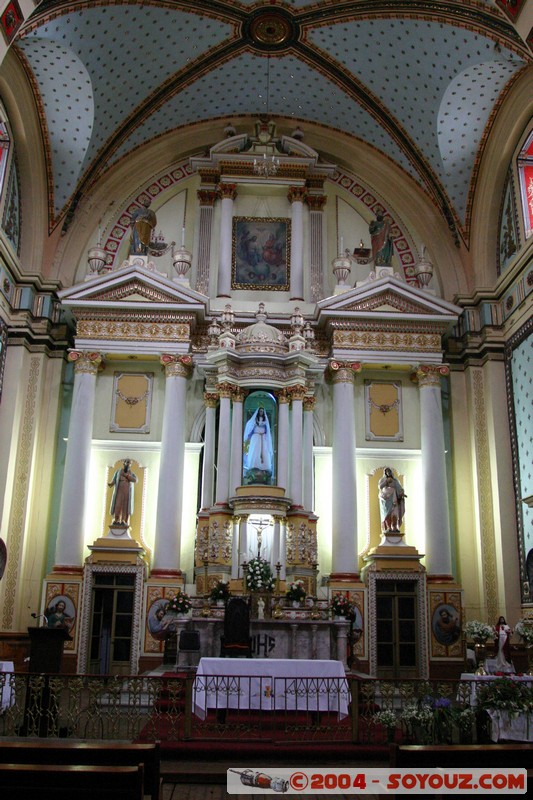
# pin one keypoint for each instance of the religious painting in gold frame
(261, 249)
(132, 402)
(383, 411)
(445, 625)
(61, 609)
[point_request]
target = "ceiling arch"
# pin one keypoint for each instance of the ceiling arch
(111, 76)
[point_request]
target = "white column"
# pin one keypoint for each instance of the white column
(309, 405)
(167, 545)
(297, 396)
(228, 192)
(208, 466)
(435, 485)
(276, 542)
(235, 547)
(69, 543)
(207, 199)
(236, 442)
(244, 555)
(283, 441)
(283, 549)
(344, 512)
(224, 434)
(296, 196)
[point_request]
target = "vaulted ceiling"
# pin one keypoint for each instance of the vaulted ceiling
(419, 81)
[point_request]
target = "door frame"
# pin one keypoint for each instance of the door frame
(422, 653)
(90, 570)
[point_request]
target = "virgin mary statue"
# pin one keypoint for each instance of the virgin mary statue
(258, 452)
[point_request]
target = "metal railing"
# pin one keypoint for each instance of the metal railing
(189, 708)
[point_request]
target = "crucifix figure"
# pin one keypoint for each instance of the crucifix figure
(260, 526)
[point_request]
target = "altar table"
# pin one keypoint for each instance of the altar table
(270, 685)
(475, 680)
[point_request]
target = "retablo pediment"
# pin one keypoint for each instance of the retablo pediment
(133, 286)
(387, 296)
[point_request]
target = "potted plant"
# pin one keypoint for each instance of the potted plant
(388, 720)
(220, 593)
(180, 604)
(296, 592)
(340, 605)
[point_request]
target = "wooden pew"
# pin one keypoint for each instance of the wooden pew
(456, 755)
(95, 754)
(68, 781)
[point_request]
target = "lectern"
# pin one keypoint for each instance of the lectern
(41, 708)
(46, 648)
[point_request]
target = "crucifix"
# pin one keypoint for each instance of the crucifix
(260, 526)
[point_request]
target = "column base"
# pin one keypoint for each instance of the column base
(343, 577)
(66, 569)
(166, 574)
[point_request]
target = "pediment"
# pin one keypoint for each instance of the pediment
(133, 286)
(388, 296)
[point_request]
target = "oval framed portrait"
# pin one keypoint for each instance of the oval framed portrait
(446, 624)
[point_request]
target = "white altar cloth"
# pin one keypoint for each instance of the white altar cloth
(270, 685)
(512, 727)
(7, 697)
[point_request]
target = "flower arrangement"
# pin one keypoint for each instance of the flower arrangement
(340, 605)
(505, 694)
(259, 577)
(180, 603)
(220, 591)
(387, 718)
(479, 630)
(296, 591)
(524, 628)
(429, 720)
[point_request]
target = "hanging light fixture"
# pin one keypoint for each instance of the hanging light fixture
(266, 167)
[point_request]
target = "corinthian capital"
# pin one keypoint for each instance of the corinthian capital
(296, 194)
(85, 362)
(225, 389)
(429, 375)
(228, 190)
(176, 366)
(297, 392)
(342, 371)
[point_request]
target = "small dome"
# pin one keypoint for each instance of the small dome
(261, 337)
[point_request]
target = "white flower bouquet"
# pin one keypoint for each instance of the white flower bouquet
(387, 718)
(524, 628)
(479, 630)
(259, 577)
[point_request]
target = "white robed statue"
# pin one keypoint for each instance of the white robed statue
(258, 452)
